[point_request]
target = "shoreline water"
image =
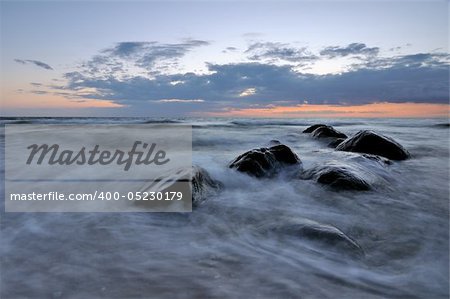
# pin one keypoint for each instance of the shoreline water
(220, 251)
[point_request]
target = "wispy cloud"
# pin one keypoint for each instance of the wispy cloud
(147, 58)
(179, 101)
(145, 54)
(413, 60)
(279, 51)
(229, 49)
(247, 92)
(34, 62)
(354, 49)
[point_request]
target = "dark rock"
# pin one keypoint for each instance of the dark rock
(342, 178)
(356, 172)
(327, 132)
(284, 154)
(315, 231)
(338, 176)
(202, 185)
(274, 142)
(312, 128)
(265, 162)
(370, 142)
(443, 125)
(336, 142)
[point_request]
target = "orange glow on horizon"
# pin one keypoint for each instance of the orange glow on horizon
(30, 101)
(374, 110)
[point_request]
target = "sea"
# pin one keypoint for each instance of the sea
(219, 251)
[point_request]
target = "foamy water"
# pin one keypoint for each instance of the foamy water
(220, 251)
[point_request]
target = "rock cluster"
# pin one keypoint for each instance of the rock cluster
(361, 170)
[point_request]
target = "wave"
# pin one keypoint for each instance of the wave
(291, 123)
(162, 121)
(267, 123)
(16, 122)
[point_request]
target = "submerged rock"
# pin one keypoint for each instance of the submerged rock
(265, 162)
(312, 128)
(314, 231)
(353, 173)
(442, 125)
(369, 142)
(274, 142)
(202, 185)
(336, 142)
(366, 157)
(340, 177)
(327, 132)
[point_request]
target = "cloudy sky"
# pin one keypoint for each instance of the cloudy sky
(225, 58)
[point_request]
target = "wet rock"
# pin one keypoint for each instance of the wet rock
(327, 132)
(370, 142)
(375, 158)
(351, 173)
(202, 185)
(442, 125)
(343, 177)
(314, 231)
(312, 128)
(274, 142)
(265, 162)
(336, 142)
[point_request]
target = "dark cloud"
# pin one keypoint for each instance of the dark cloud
(410, 78)
(278, 51)
(354, 49)
(35, 62)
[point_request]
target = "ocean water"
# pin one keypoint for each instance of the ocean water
(219, 250)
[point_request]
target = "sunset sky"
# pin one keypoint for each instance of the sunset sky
(225, 58)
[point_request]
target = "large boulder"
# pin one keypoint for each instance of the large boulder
(201, 183)
(313, 231)
(369, 142)
(312, 128)
(327, 132)
(265, 161)
(352, 173)
(338, 176)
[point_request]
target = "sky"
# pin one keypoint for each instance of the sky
(224, 58)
